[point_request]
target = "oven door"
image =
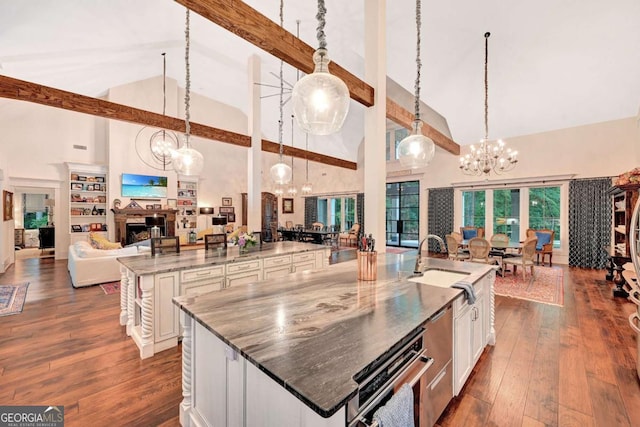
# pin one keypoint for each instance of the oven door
(415, 374)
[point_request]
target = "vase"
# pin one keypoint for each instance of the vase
(243, 249)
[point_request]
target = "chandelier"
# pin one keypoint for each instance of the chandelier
(488, 156)
(281, 172)
(187, 160)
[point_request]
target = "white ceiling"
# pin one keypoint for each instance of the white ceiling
(552, 64)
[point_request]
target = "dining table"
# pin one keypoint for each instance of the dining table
(499, 250)
(312, 235)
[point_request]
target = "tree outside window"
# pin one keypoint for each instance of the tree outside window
(506, 213)
(473, 208)
(544, 210)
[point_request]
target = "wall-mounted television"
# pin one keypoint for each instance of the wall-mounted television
(144, 186)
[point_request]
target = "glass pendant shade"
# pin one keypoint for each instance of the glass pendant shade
(187, 161)
(320, 100)
(416, 150)
(281, 173)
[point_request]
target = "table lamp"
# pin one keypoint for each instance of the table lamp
(218, 223)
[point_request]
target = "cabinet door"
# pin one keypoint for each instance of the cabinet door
(272, 272)
(165, 312)
(462, 358)
(245, 277)
(477, 326)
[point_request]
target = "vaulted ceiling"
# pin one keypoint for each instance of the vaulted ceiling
(552, 64)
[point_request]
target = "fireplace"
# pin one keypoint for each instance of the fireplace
(131, 225)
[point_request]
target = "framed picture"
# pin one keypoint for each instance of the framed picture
(231, 217)
(227, 210)
(76, 228)
(76, 187)
(89, 187)
(82, 178)
(149, 206)
(99, 179)
(157, 206)
(287, 205)
(226, 201)
(172, 203)
(7, 208)
(74, 177)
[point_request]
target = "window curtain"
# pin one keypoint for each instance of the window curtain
(439, 215)
(360, 203)
(589, 222)
(310, 211)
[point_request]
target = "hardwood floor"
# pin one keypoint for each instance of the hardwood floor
(553, 366)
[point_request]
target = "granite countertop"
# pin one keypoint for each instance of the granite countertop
(150, 264)
(313, 332)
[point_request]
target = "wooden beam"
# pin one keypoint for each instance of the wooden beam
(273, 147)
(250, 25)
(244, 21)
(404, 118)
(21, 90)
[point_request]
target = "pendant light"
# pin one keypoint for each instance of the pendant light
(281, 172)
(320, 100)
(307, 188)
(488, 157)
(187, 161)
(416, 150)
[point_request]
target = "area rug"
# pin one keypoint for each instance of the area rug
(12, 298)
(546, 286)
(111, 288)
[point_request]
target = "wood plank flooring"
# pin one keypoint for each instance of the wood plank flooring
(551, 366)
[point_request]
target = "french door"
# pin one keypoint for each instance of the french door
(403, 214)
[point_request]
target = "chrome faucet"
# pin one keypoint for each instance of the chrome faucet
(443, 249)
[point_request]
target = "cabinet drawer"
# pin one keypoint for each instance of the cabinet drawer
(243, 266)
(198, 288)
(461, 302)
(303, 266)
(277, 271)
(277, 261)
(201, 273)
(305, 256)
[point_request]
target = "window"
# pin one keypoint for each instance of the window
(403, 213)
(35, 214)
(339, 211)
(544, 210)
(506, 213)
(393, 138)
(473, 208)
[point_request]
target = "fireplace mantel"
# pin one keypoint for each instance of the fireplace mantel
(121, 216)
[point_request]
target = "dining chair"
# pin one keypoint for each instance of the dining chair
(214, 241)
(258, 236)
(479, 248)
(469, 232)
(288, 225)
(351, 236)
(165, 245)
(525, 259)
(454, 249)
(545, 243)
(317, 226)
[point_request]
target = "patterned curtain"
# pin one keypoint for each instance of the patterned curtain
(360, 203)
(310, 211)
(439, 215)
(589, 222)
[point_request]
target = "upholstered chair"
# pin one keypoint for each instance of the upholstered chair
(525, 259)
(470, 232)
(479, 248)
(545, 243)
(351, 237)
(213, 241)
(454, 249)
(165, 245)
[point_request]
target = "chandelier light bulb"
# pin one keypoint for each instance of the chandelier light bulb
(279, 191)
(187, 161)
(416, 150)
(281, 173)
(162, 143)
(306, 188)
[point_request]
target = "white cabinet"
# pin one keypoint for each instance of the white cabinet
(469, 335)
(87, 200)
(277, 266)
(244, 272)
(165, 313)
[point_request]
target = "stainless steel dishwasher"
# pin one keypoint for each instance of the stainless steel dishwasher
(438, 338)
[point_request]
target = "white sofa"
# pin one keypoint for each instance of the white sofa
(88, 266)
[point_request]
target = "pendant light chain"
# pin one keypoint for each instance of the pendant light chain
(486, 85)
(306, 154)
(418, 61)
(280, 121)
(322, 38)
(164, 83)
(187, 88)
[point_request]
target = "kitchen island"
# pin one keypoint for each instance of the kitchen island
(285, 352)
(148, 283)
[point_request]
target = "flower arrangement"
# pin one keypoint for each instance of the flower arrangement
(242, 239)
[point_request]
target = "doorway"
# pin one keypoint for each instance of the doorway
(403, 214)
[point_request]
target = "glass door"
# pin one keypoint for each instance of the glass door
(403, 214)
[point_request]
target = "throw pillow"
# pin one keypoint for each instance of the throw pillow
(543, 239)
(469, 234)
(98, 241)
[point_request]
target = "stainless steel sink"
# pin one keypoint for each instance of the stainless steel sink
(442, 278)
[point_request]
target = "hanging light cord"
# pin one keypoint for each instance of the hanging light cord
(486, 85)
(322, 38)
(306, 147)
(187, 88)
(281, 86)
(164, 83)
(418, 61)
(292, 150)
